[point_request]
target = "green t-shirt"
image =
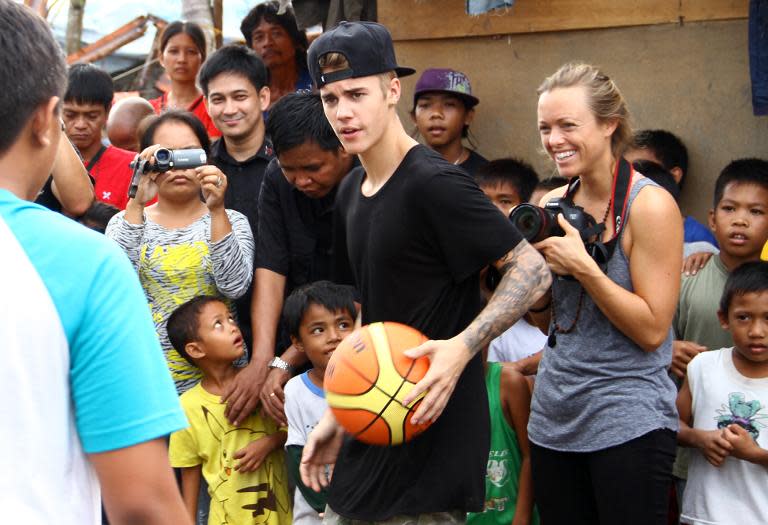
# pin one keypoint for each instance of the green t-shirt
(696, 315)
(503, 472)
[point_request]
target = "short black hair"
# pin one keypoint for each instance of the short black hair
(98, 216)
(184, 324)
(194, 31)
(551, 183)
(666, 147)
(741, 171)
(658, 174)
(32, 65)
(750, 277)
(268, 11)
(236, 59)
(298, 118)
(331, 296)
(516, 172)
(175, 115)
(88, 84)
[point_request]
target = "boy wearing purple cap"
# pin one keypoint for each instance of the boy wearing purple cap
(443, 109)
(414, 231)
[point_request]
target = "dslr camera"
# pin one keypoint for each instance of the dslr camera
(537, 224)
(166, 159)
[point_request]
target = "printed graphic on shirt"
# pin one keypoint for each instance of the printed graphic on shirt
(498, 470)
(172, 275)
(743, 413)
(255, 502)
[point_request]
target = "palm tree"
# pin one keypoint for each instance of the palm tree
(199, 11)
(75, 25)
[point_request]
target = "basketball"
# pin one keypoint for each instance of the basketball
(367, 378)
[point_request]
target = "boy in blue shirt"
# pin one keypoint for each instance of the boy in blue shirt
(318, 317)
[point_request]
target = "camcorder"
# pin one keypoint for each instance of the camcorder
(537, 224)
(165, 159)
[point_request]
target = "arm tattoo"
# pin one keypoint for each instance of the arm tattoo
(525, 278)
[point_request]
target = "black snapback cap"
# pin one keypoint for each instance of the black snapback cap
(367, 46)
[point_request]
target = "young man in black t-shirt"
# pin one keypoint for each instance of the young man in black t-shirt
(414, 231)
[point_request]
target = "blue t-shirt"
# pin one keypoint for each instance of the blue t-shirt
(121, 391)
(694, 231)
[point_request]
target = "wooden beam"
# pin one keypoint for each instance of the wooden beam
(432, 19)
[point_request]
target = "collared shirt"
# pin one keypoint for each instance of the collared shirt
(243, 179)
(295, 231)
(295, 236)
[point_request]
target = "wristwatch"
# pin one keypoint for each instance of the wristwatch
(282, 365)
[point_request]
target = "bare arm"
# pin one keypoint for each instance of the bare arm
(138, 486)
(656, 235)
(525, 278)
(528, 366)
(71, 184)
(243, 394)
(711, 442)
(190, 488)
(516, 402)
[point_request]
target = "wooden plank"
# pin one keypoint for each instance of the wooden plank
(433, 19)
(700, 10)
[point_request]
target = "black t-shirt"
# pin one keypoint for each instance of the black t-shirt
(47, 198)
(243, 185)
(473, 162)
(415, 250)
(295, 235)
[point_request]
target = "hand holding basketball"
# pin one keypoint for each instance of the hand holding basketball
(447, 359)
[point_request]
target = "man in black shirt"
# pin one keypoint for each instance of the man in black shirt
(293, 243)
(235, 84)
(416, 231)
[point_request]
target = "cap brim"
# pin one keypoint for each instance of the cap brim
(404, 71)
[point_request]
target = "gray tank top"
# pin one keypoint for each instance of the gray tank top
(596, 388)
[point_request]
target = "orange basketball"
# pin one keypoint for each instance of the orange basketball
(367, 379)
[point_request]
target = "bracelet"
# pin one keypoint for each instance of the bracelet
(542, 309)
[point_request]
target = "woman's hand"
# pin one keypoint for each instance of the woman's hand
(147, 189)
(213, 183)
(566, 255)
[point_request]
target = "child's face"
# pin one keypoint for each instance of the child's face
(748, 323)
(740, 221)
(441, 118)
(218, 334)
(321, 331)
(503, 195)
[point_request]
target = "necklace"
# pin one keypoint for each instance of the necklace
(556, 328)
(462, 157)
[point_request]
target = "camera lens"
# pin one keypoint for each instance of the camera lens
(162, 155)
(528, 219)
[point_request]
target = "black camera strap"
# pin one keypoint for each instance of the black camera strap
(622, 183)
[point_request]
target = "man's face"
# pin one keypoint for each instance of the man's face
(235, 105)
(313, 170)
(273, 44)
(358, 110)
(83, 123)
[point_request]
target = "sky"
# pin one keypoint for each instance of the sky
(103, 16)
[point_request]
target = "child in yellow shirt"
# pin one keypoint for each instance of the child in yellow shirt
(242, 464)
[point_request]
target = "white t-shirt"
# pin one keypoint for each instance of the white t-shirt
(304, 406)
(737, 491)
(81, 372)
(521, 340)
